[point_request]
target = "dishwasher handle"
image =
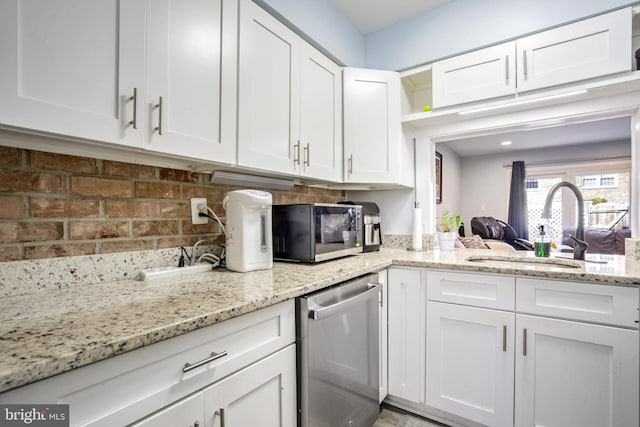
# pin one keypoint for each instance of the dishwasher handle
(330, 310)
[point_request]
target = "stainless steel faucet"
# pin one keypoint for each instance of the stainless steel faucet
(580, 246)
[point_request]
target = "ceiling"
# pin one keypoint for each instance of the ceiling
(572, 134)
(372, 15)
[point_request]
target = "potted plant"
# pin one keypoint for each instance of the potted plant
(448, 230)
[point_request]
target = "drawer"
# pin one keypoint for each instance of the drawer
(479, 290)
(611, 305)
(125, 388)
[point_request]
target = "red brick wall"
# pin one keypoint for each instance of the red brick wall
(53, 205)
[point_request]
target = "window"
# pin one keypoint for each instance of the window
(600, 181)
(537, 189)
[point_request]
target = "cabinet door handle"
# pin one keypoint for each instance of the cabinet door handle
(307, 155)
(134, 98)
(220, 413)
(159, 107)
(350, 165)
(214, 356)
(506, 68)
(196, 424)
(524, 63)
(524, 342)
(296, 153)
(504, 337)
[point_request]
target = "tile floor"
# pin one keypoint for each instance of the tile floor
(394, 417)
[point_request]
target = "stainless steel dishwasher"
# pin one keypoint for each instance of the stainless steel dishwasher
(338, 351)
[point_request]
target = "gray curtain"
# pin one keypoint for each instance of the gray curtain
(518, 200)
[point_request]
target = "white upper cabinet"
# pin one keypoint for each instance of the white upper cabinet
(97, 70)
(72, 68)
(266, 104)
(482, 74)
(289, 104)
(184, 84)
(591, 48)
(320, 141)
(375, 149)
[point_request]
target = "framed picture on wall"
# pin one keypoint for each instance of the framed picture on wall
(438, 177)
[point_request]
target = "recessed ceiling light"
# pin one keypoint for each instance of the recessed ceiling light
(505, 143)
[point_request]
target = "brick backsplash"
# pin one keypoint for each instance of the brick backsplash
(54, 205)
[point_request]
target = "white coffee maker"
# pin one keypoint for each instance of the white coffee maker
(248, 230)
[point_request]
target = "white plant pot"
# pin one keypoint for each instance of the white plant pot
(447, 240)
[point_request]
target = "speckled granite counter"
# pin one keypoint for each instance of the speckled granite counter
(57, 329)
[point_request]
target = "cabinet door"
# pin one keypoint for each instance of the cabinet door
(384, 334)
(71, 67)
(482, 74)
(406, 340)
(268, 98)
(372, 130)
(186, 412)
(470, 362)
(184, 79)
(320, 116)
(263, 394)
(575, 374)
(591, 48)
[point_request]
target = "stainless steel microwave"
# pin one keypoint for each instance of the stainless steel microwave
(316, 232)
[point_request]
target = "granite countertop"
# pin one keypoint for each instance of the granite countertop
(55, 330)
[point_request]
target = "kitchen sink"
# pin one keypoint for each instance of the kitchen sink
(526, 262)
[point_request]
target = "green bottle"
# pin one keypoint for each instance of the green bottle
(543, 246)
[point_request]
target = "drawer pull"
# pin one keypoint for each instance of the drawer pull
(524, 342)
(214, 356)
(196, 424)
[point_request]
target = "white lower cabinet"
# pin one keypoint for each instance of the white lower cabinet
(262, 394)
(513, 351)
(575, 374)
(407, 302)
(384, 333)
(470, 362)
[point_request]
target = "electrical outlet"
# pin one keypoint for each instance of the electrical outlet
(198, 205)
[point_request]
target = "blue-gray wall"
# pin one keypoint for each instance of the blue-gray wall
(326, 25)
(452, 28)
